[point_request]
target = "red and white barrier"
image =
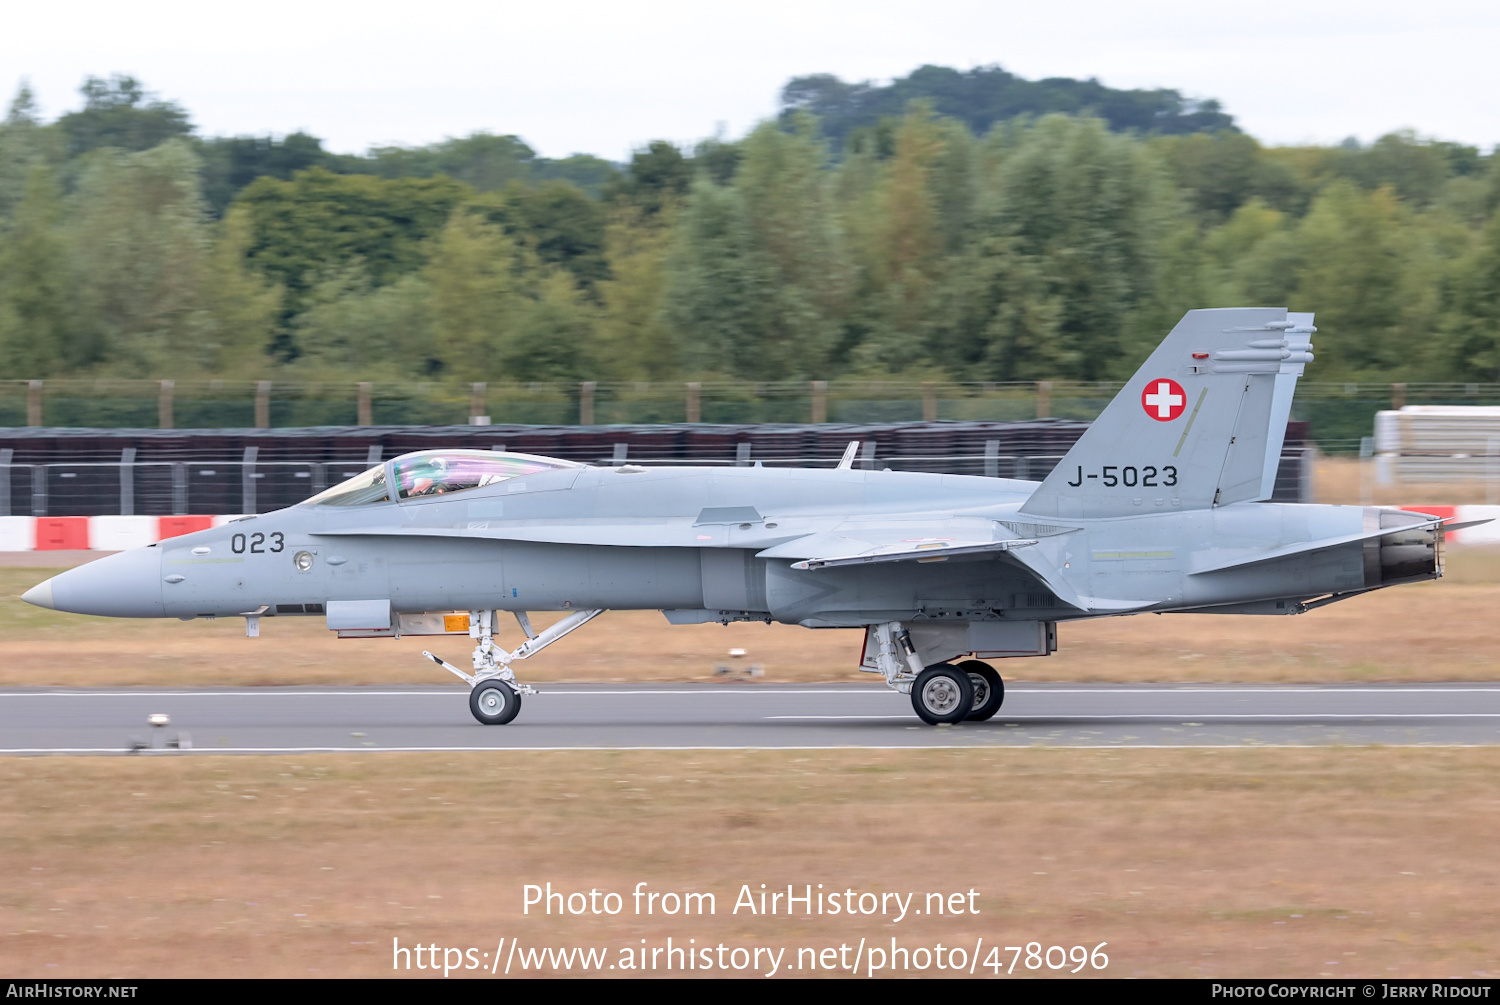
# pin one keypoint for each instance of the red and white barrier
(117, 533)
(1484, 534)
(97, 533)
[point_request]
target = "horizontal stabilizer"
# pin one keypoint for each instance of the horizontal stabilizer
(1304, 548)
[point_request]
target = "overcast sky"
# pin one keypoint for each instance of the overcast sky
(605, 77)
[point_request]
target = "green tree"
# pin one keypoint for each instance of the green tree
(242, 306)
(633, 340)
(987, 95)
(1359, 251)
(901, 246)
(1216, 172)
(137, 247)
(498, 313)
(34, 283)
(1252, 259)
(120, 113)
(719, 288)
(1415, 168)
(785, 191)
(659, 176)
(475, 300)
(231, 163)
(319, 222)
(1067, 267)
(557, 222)
(1471, 322)
(351, 327)
(555, 337)
(483, 161)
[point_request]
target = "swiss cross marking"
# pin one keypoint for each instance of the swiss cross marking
(1164, 399)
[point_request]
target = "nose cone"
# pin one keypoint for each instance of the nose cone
(127, 585)
(40, 595)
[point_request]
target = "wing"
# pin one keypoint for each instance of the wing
(910, 538)
(936, 550)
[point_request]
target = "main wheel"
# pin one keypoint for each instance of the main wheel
(942, 694)
(494, 702)
(989, 689)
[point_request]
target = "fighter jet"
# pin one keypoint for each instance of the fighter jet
(1159, 507)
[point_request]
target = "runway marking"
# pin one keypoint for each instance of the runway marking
(1174, 716)
(719, 690)
(708, 690)
(1230, 689)
(1247, 745)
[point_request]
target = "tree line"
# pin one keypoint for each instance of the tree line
(927, 229)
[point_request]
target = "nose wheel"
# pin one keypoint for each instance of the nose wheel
(494, 702)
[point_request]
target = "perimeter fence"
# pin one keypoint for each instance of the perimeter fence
(153, 472)
(1338, 414)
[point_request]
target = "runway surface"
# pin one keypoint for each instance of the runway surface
(739, 716)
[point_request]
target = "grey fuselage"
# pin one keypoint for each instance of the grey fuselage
(719, 545)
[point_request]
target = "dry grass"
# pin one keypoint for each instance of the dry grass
(1350, 862)
(1425, 632)
(1288, 862)
(1351, 481)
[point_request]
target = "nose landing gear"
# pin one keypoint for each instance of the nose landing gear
(495, 698)
(494, 702)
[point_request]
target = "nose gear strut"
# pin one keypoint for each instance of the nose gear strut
(491, 705)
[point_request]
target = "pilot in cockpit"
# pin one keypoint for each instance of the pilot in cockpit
(432, 479)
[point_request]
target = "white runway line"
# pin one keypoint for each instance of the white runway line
(1174, 716)
(948, 748)
(711, 690)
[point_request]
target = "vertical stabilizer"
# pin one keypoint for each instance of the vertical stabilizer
(1199, 425)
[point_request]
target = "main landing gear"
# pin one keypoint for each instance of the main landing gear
(989, 690)
(943, 692)
(970, 691)
(495, 698)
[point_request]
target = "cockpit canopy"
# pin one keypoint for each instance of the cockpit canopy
(429, 473)
(439, 472)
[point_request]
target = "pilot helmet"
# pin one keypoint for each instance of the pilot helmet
(430, 476)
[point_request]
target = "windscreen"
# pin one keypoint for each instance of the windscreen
(443, 472)
(361, 490)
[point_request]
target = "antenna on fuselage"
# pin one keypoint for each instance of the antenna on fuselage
(846, 462)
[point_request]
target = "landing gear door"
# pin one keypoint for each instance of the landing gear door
(869, 658)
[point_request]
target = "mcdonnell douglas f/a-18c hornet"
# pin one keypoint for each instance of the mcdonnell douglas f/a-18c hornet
(1157, 508)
